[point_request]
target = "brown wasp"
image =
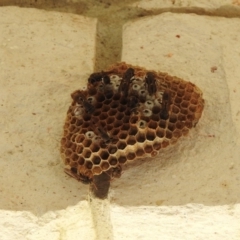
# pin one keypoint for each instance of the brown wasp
(150, 81)
(99, 76)
(79, 97)
(127, 79)
(166, 100)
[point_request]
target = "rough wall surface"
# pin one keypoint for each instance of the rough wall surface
(192, 193)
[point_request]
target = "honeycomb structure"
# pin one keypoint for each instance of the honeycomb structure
(126, 113)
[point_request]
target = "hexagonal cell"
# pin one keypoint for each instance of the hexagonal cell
(188, 124)
(140, 152)
(179, 125)
(180, 93)
(185, 131)
(88, 165)
(113, 161)
(165, 143)
(171, 126)
(131, 140)
(112, 112)
(81, 161)
(114, 104)
(125, 127)
(97, 170)
(94, 147)
(131, 156)
(73, 146)
(96, 160)
(182, 85)
(162, 124)
(134, 119)
(168, 134)
(105, 108)
(103, 116)
(74, 157)
(73, 121)
(67, 161)
(79, 122)
(117, 124)
(154, 153)
(122, 108)
(178, 100)
(192, 108)
(110, 120)
(122, 159)
(83, 131)
(119, 116)
(184, 111)
(132, 131)
(148, 148)
(157, 146)
(181, 117)
(121, 145)
(190, 117)
(194, 101)
(112, 149)
(150, 135)
(140, 137)
(92, 91)
(152, 124)
(187, 96)
(72, 128)
(173, 118)
(87, 142)
(160, 132)
(68, 152)
(184, 104)
(115, 131)
(108, 95)
(177, 133)
(155, 117)
(104, 165)
(86, 153)
(104, 155)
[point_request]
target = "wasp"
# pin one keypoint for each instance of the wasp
(78, 97)
(99, 76)
(127, 79)
(80, 177)
(150, 81)
(166, 100)
(104, 135)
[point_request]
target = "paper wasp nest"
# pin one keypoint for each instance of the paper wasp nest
(124, 114)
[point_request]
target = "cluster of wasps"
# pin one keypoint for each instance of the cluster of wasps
(124, 89)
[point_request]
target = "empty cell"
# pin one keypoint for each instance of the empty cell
(173, 118)
(131, 141)
(160, 132)
(123, 135)
(171, 126)
(190, 117)
(104, 155)
(81, 161)
(122, 108)
(67, 161)
(192, 108)
(157, 146)
(87, 142)
(150, 135)
(97, 170)
(108, 95)
(86, 153)
(112, 149)
(109, 127)
(97, 112)
(68, 152)
(121, 145)
(125, 119)
(178, 100)
(168, 134)
(194, 101)
(98, 105)
(134, 119)
(112, 112)
(115, 131)
(79, 149)
(187, 96)
(96, 160)
(152, 124)
(117, 124)
(180, 93)
(165, 143)
(140, 152)
(88, 164)
(148, 148)
(175, 109)
(181, 117)
(73, 146)
(92, 91)
(179, 125)
(195, 95)
(140, 137)
(86, 117)
(85, 125)
(155, 117)
(122, 159)
(188, 124)
(125, 127)
(132, 131)
(184, 104)
(105, 108)
(162, 123)
(131, 156)
(104, 165)
(182, 85)
(116, 96)
(110, 120)
(103, 116)
(107, 102)
(113, 161)
(185, 131)
(72, 128)
(177, 133)
(73, 121)
(94, 147)
(184, 111)
(119, 116)
(114, 104)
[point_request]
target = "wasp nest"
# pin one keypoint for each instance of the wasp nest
(124, 114)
